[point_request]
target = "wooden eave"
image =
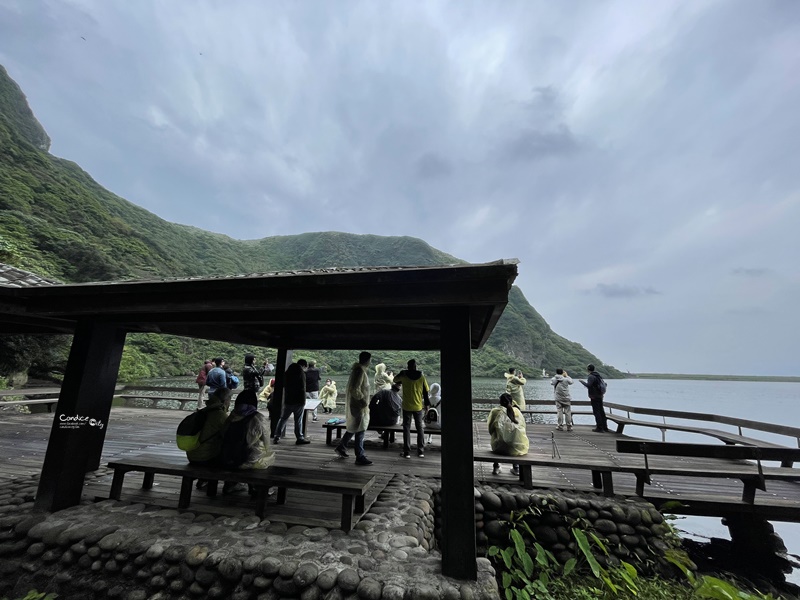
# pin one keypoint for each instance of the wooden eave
(392, 308)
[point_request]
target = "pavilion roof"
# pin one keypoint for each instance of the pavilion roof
(332, 308)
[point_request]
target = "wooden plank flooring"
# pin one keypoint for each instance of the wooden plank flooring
(132, 431)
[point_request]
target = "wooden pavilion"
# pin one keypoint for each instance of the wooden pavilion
(452, 309)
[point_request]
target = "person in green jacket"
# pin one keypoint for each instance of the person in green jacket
(415, 399)
(207, 453)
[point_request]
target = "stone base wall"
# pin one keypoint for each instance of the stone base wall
(634, 529)
(131, 551)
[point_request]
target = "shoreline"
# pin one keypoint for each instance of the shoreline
(701, 377)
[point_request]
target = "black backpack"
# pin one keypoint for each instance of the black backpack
(602, 385)
(188, 434)
(235, 450)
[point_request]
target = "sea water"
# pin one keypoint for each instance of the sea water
(770, 402)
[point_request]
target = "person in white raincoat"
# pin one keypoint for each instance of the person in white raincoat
(328, 395)
(383, 380)
(357, 409)
(561, 383)
(507, 431)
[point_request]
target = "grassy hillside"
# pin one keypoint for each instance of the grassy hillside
(55, 220)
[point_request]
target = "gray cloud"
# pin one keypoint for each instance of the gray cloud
(754, 272)
(432, 166)
(615, 290)
(603, 142)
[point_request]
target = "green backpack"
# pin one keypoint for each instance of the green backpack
(188, 434)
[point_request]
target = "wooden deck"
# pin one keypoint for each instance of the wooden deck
(132, 431)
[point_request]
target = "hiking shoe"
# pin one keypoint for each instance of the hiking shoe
(275, 440)
(201, 484)
(405, 455)
(515, 471)
(302, 441)
(496, 470)
(598, 430)
(314, 419)
(341, 452)
(569, 427)
(420, 454)
(363, 461)
(560, 428)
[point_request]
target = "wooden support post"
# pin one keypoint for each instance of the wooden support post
(81, 417)
(459, 554)
(147, 481)
(347, 512)
(186, 492)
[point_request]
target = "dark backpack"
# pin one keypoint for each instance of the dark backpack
(235, 450)
(187, 435)
(602, 385)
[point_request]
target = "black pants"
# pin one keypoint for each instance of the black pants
(599, 413)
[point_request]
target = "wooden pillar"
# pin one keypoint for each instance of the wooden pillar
(459, 548)
(281, 364)
(81, 416)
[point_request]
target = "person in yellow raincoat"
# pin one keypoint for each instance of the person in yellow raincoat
(328, 395)
(507, 431)
(514, 386)
(357, 409)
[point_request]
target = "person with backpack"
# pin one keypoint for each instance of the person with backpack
(433, 414)
(245, 444)
(209, 438)
(217, 378)
(596, 387)
(561, 383)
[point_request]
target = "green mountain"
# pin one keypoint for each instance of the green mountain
(56, 221)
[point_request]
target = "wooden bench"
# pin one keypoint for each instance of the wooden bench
(49, 402)
(753, 476)
(32, 397)
(341, 427)
(723, 436)
(600, 469)
(352, 486)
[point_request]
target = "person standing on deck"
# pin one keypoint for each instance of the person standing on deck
(415, 399)
(216, 378)
(201, 381)
(294, 402)
(595, 385)
(561, 383)
(514, 384)
(356, 409)
(383, 379)
(252, 375)
(328, 395)
(312, 384)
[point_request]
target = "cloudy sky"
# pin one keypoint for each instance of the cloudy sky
(641, 159)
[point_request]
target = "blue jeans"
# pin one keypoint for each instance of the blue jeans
(417, 416)
(359, 442)
(291, 409)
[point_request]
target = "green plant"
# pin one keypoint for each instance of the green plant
(34, 595)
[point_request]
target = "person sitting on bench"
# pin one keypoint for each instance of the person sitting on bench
(207, 453)
(246, 441)
(385, 408)
(507, 431)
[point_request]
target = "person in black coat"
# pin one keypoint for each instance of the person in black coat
(594, 385)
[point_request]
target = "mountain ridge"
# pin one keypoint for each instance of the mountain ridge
(59, 222)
